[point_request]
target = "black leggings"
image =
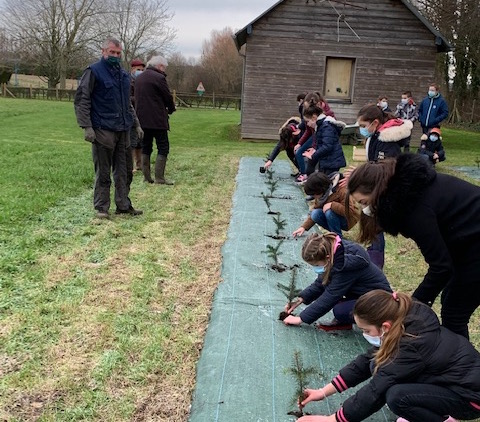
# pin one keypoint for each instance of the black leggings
(428, 402)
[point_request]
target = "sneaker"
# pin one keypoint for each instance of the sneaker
(131, 211)
(401, 420)
(301, 178)
(295, 174)
(333, 325)
(103, 214)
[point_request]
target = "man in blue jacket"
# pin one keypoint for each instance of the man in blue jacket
(104, 111)
(433, 109)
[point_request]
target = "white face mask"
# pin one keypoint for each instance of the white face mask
(383, 104)
(373, 340)
(367, 211)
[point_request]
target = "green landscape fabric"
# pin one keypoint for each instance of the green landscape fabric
(243, 372)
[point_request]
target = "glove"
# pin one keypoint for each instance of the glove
(424, 137)
(139, 132)
(89, 134)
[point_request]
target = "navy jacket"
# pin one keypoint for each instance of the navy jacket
(102, 100)
(432, 111)
(441, 213)
(387, 141)
(326, 141)
(434, 355)
(352, 275)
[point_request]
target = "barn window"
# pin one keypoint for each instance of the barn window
(339, 78)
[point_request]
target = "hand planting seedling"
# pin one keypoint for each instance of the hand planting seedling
(301, 376)
(290, 291)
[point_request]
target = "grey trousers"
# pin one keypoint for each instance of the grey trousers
(109, 156)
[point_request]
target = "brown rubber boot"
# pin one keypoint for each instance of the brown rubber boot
(147, 177)
(137, 158)
(160, 164)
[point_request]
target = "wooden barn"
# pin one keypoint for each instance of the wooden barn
(351, 51)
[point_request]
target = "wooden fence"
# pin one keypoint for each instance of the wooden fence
(182, 99)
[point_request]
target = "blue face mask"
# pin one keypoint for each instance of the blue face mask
(318, 270)
(432, 94)
(365, 132)
(137, 72)
(434, 138)
(114, 61)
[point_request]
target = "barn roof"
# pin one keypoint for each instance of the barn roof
(441, 42)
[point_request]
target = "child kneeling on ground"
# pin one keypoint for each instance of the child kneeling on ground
(344, 273)
(431, 147)
(329, 206)
(423, 371)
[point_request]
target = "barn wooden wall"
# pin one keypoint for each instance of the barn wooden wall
(287, 50)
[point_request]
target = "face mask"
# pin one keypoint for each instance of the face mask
(373, 340)
(137, 72)
(383, 104)
(431, 94)
(404, 101)
(318, 270)
(367, 211)
(114, 61)
(365, 132)
(434, 138)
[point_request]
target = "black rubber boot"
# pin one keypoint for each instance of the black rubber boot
(160, 164)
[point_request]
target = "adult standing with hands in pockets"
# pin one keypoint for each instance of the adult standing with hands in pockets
(104, 111)
(154, 103)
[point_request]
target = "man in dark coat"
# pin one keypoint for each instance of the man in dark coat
(103, 110)
(154, 103)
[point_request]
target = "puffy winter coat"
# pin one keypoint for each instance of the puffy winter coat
(441, 213)
(326, 142)
(387, 141)
(352, 275)
(432, 355)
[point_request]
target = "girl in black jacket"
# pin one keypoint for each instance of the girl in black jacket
(423, 371)
(344, 274)
(441, 213)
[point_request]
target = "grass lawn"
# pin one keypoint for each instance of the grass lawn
(104, 320)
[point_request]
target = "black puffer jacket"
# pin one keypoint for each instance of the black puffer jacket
(352, 275)
(435, 355)
(441, 213)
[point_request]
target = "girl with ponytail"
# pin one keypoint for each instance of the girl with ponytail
(344, 273)
(423, 371)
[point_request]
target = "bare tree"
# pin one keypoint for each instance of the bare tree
(141, 26)
(51, 32)
(57, 35)
(221, 60)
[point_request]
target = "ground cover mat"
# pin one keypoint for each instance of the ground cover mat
(246, 371)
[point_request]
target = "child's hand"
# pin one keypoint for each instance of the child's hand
(299, 232)
(346, 175)
(308, 153)
(293, 306)
(267, 164)
(327, 206)
(317, 418)
(292, 320)
(312, 395)
(296, 148)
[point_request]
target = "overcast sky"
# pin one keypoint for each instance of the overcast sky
(195, 19)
